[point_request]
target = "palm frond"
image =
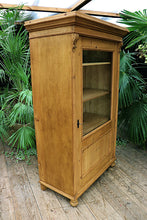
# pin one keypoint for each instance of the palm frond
(24, 137)
(15, 57)
(21, 113)
(126, 60)
(132, 100)
(14, 46)
(18, 78)
(12, 15)
(137, 25)
(130, 37)
(25, 96)
(2, 117)
(2, 75)
(131, 84)
(136, 40)
(3, 95)
(3, 133)
(16, 98)
(134, 120)
(134, 19)
(125, 90)
(3, 128)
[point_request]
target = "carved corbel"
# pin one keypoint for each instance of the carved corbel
(120, 46)
(74, 42)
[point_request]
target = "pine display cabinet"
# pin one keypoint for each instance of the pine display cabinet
(75, 80)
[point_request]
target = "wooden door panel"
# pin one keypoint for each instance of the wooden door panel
(94, 155)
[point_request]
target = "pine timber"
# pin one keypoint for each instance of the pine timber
(120, 193)
(58, 10)
(34, 8)
(75, 131)
(79, 5)
(89, 94)
(92, 64)
(101, 13)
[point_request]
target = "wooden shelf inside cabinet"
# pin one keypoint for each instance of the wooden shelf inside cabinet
(89, 94)
(92, 121)
(96, 64)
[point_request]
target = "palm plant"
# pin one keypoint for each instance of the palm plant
(132, 88)
(16, 109)
(132, 101)
(137, 25)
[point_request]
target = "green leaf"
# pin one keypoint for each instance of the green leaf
(2, 75)
(131, 84)
(3, 128)
(132, 101)
(25, 96)
(16, 98)
(134, 120)
(137, 25)
(21, 113)
(24, 138)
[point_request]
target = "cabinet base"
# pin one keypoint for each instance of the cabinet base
(74, 202)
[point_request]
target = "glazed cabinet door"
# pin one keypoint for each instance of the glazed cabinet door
(99, 68)
(97, 73)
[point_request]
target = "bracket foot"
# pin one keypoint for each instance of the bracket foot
(43, 187)
(113, 164)
(74, 202)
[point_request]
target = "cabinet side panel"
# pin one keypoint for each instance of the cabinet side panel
(52, 100)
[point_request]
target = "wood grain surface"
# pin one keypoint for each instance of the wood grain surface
(119, 194)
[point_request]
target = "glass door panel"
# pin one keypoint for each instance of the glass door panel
(96, 88)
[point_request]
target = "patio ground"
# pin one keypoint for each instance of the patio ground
(120, 193)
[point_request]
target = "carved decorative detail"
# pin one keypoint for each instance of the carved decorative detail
(119, 47)
(75, 39)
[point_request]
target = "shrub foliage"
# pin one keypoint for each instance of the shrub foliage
(16, 108)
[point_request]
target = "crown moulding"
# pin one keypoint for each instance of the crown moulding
(75, 19)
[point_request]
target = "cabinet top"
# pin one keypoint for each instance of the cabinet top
(75, 19)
